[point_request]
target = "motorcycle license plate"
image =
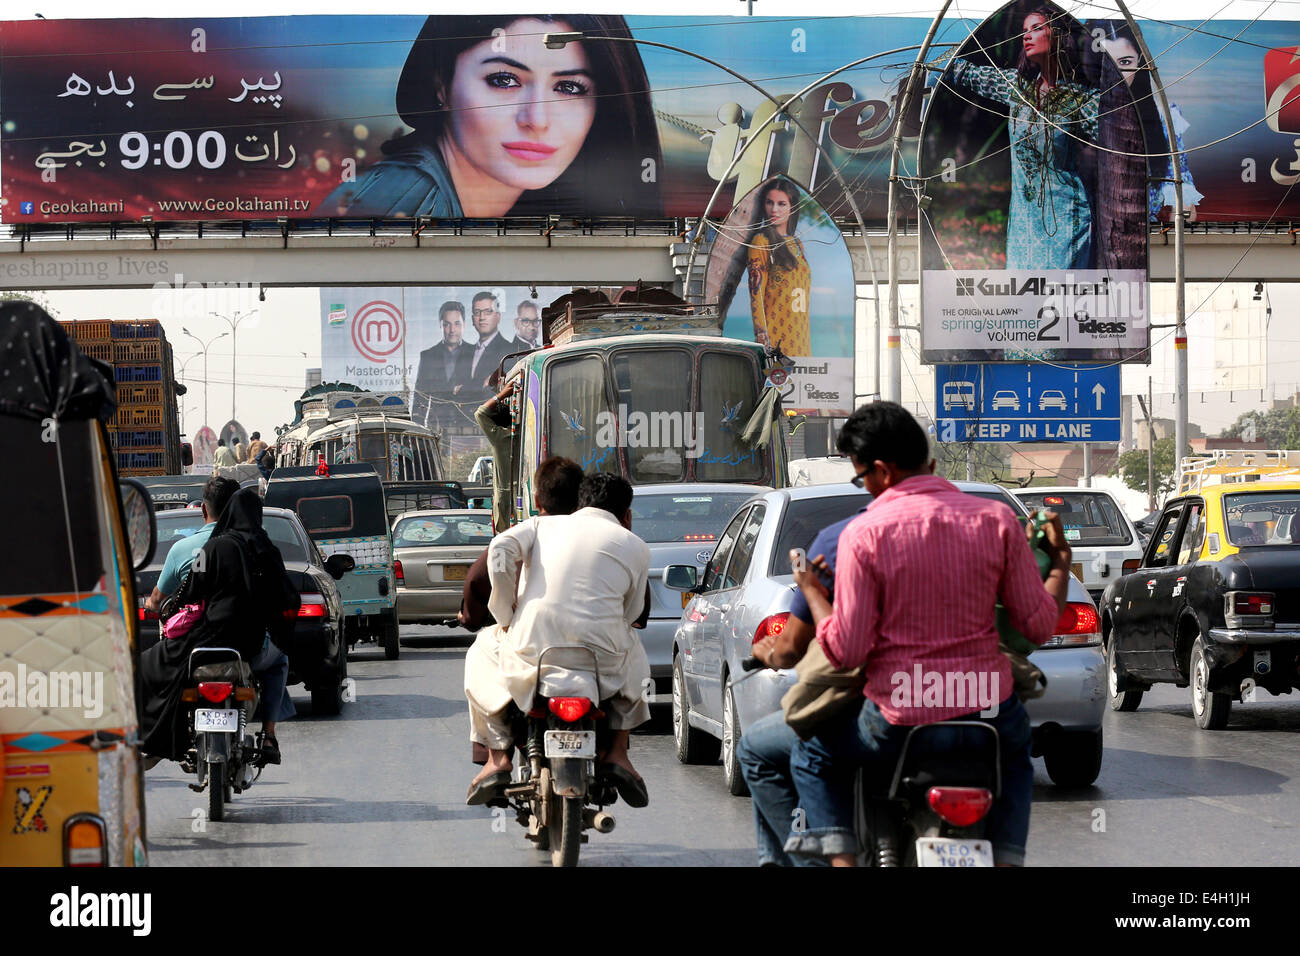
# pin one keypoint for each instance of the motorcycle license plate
(943, 851)
(219, 721)
(570, 743)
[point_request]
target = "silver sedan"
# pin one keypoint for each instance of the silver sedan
(746, 592)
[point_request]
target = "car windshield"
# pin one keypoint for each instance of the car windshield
(1262, 518)
(433, 531)
(807, 516)
(174, 526)
(688, 516)
(1089, 517)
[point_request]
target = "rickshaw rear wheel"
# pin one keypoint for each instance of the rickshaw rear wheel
(390, 635)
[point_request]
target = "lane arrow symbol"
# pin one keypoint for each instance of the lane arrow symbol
(1099, 390)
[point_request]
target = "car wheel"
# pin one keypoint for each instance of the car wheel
(1074, 759)
(731, 773)
(1123, 700)
(693, 744)
(1210, 709)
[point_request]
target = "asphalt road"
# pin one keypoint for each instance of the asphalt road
(384, 784)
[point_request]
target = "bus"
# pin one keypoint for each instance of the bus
(649, 390)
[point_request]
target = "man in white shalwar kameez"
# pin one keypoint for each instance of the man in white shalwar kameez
(584, 582)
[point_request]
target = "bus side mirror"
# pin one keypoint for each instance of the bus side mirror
(139, 520)
(187, 454)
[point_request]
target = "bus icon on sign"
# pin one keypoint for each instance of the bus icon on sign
(958, 395)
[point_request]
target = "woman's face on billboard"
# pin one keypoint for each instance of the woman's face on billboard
(1125, 55)
(1037, 36)
(519, 112)
(776, 208)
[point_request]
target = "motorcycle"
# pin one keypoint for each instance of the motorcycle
(224, 694)
(556, 794)
(932, 810)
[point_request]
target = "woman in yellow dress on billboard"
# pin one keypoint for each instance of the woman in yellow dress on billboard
(780, 282)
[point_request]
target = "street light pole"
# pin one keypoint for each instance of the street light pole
(181, 404)
(205, 347)
(234, 327)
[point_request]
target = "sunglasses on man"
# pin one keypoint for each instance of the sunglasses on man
(860, 479)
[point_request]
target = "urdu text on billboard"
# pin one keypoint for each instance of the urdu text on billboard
(1034, 240)
(473, 116)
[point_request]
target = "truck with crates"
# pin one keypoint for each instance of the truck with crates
(144, 433)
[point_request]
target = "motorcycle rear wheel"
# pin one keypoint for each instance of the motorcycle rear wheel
(216, 791)
(565, 830)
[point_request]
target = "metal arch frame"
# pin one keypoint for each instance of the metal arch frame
(781, 109)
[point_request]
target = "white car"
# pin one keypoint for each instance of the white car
(481, 473)
(1006, 399)
(1104, 541)
(1052, 398)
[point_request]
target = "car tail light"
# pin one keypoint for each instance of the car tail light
(960, 806)
(397, 572)
(1259, 603)
(1078, 625)
(313, 605)
(569, 709)
(83, 841)
(1131, 565)
(148, 615)
(771, 625)
(215, 691)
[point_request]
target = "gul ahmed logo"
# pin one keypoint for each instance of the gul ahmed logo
(1035, 285)
(55, 690)
(76, 909)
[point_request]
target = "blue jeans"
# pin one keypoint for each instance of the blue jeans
(272, 666)
(764, 755)
(824, 769)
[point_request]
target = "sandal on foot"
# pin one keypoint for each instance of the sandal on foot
(487, 789)
(630, 787)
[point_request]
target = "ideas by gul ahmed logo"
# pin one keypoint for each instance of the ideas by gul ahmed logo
(378, 329)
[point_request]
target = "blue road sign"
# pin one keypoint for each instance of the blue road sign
(1029, 401)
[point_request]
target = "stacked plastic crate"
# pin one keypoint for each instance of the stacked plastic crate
(144, 433)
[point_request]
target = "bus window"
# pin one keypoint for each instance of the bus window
(577, 405)
(728, 394)
(654, 386)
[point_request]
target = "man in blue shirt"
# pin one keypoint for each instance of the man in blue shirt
(271, 665)
(764, 750)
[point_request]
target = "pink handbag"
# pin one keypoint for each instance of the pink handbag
(183, 621)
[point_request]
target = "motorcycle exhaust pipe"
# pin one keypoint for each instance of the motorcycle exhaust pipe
(600, 821)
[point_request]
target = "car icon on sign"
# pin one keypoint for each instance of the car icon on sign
(1006, 399)
(1052, 398)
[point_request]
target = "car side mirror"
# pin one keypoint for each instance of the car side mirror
(680, 577)
(337, 565)
(138, 517)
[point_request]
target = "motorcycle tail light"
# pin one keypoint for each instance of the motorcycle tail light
(398, 573)
(960, 806)
(245, 693)
(569, 709)
(1077, 625)
(83, 841)
(1131, 565)
(1252, 602)
(771, 625)
(215, 691)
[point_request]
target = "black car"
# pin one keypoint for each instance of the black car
(1215, 604)
(317, 655)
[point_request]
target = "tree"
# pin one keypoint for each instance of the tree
(1278, 428)
(1132, 467)
(990, 460)
(38, 298)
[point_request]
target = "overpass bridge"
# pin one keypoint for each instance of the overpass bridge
(542, 252)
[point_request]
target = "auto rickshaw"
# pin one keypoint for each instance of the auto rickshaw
(73, 791)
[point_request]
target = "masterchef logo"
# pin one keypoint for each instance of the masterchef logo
(378, 329)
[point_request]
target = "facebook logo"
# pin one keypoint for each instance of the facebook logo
(26, 208)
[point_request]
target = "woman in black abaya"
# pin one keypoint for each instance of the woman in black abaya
(240, 577)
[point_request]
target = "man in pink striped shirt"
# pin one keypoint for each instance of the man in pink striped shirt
(916, 580)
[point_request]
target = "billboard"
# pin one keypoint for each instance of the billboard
(1034, 239)
(781, 274)
(436, 344)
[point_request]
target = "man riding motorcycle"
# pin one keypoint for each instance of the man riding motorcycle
(585, 579)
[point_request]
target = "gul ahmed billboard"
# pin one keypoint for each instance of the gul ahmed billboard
(1033, 245)
(254, 118)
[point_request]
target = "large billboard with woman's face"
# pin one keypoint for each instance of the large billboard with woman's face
(781, 274)
(1033, 240)
(475, 116)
